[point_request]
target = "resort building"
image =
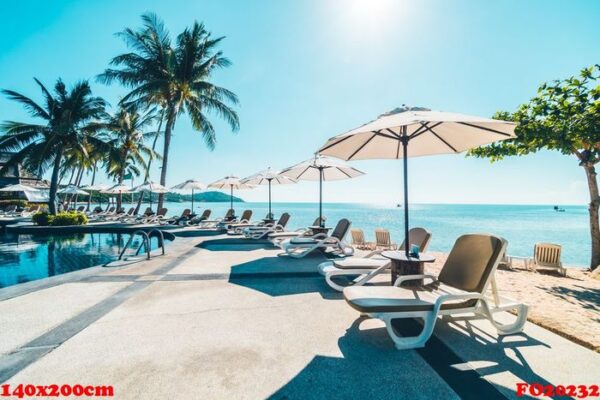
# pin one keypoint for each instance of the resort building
(18, 175)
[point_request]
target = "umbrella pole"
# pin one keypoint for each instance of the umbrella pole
(405, 161)
(192, 201)
(321, 197)
(231, 197)
(270, 214)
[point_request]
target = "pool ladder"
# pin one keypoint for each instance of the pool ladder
(146, 241)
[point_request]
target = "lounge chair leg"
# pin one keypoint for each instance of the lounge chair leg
(413, 342)
(332, 284)
(507, 329)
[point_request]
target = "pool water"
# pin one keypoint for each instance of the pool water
(25, 258)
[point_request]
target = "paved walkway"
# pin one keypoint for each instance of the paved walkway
(228, 320)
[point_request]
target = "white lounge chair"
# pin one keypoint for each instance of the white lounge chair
(547, 256)
(461, 287)
(359, 241)
(383, 240)
(368, 267)
(263, 231)
(301, 246)
(277, 238)
(229, 215)
(235, 227)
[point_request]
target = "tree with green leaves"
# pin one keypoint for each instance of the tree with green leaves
(126, 137)
(563, 116)
(174, 77)
(66, 123)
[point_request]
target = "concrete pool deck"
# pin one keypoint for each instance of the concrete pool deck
(219, 319)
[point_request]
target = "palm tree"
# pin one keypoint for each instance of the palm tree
(66, 118)
(127, 149)
(174, 78)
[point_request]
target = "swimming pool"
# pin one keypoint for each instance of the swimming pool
(25, 258)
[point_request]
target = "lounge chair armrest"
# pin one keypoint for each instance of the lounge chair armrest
(405, 278)
(374, 253)
(453, 297)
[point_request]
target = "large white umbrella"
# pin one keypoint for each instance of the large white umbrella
(412, 132)
(117, 189)
(190, 184)
(72, 189)
(18, 188)
(230, 182)
(268, 177)
(321, 168)
(150, 187)
(97, 187)
(93, 188)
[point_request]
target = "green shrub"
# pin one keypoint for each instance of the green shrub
(60, 219)
(68, 218)
(42, 218)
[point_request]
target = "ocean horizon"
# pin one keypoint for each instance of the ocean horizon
(522, 225)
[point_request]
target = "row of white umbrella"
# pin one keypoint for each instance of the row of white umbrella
(399, 134)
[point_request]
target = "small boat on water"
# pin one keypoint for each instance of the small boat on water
(559, 209)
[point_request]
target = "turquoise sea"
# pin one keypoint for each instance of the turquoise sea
(521, 225)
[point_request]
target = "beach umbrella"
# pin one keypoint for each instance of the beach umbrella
(18, 188)
(321, 168)
(412, 132)
(230, 182)
(119, 189)
(73, 190)
(190, 184)
(94, 188)
(150, 187)
(269, 177)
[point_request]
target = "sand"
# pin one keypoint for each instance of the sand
(567, 306)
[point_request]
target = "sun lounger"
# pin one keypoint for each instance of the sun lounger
(244, 220)
(157, 218)
(9, 210)
(238, 228)
(383, 240)
(229, 215)
(461, 287)
(301, 246)
(277, 238)
(200, 218)
(358, 240)
(263, 231)
(547, 256)
(184, 217)
(368, 267)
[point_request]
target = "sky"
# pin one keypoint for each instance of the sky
(307, 70)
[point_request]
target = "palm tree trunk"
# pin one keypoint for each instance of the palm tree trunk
(165, 161)
(89, 202)
(120, 195)
(78, 181)
(590, 172)
(54, 182)
(147, 174)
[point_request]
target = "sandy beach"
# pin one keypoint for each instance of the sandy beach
(567, 306)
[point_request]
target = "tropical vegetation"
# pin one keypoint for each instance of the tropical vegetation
(174, 77)
(63, 218)
(73, 134)
(564, 116)
(64, 126)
